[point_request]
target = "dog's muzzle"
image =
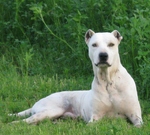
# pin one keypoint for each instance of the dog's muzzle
(103, 57)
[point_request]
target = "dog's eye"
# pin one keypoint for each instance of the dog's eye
(111, 45)
(94, 45)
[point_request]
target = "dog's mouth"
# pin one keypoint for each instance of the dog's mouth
(102, 64)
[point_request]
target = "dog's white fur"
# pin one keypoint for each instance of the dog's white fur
(113, 91)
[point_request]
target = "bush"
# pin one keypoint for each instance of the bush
(47, 37)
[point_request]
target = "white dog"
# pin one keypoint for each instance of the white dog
(113, 92)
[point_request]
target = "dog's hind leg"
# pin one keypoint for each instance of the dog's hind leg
(50, 114)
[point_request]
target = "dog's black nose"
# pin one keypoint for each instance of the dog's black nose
(103, 57)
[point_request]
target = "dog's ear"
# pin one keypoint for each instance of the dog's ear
(117, 35)
(88, 35)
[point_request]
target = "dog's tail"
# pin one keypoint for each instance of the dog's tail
(23, 113)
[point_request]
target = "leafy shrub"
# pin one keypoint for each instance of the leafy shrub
(48, 37)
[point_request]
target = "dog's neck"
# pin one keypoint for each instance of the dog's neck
(106, 73)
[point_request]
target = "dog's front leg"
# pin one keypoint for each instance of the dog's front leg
(136, 120)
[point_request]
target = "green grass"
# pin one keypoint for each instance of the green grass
(21, 92)
(75, 127)
(42, 50)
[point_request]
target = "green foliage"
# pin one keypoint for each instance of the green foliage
(133, 23)
(47, 38)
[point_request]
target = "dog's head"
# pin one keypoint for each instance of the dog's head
(103, 47)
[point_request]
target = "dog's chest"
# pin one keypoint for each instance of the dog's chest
(109, 96)
(115, 95)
